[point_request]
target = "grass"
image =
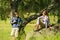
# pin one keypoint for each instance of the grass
(5, 29)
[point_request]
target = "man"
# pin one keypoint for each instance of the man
(15, 21)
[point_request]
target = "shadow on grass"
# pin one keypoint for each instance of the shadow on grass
(44, 27)
(21, 35)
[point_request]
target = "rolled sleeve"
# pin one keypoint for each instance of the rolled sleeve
(37, 21)
(11, 21)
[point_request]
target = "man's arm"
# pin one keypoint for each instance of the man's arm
(12, 21)
(19, 21)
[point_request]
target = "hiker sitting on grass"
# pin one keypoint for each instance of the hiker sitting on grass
(42, 21)
(15, 20)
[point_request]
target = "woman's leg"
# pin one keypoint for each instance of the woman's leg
(42, 24)
(36, 27)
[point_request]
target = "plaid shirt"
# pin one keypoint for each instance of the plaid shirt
(15, 24)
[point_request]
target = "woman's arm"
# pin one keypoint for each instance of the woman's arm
(37, 23)
(47, 22)
(38, 20)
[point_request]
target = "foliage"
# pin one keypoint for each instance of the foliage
(4, 9)
(23, 7)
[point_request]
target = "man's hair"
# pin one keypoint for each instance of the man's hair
(16, 13)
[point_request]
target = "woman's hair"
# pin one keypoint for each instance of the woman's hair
(46, 13)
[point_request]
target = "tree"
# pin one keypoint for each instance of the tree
(49, 8)
(30, 6)
(4, 9)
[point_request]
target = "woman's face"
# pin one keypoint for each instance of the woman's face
(43, 13)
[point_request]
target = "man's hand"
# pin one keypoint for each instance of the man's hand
(14, 21)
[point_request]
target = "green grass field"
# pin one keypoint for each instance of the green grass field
(5, 29)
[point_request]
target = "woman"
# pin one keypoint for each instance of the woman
(43, 20)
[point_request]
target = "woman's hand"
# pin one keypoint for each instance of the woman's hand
(36, 27)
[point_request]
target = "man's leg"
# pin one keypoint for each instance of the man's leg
(16, 33)
(12, 34)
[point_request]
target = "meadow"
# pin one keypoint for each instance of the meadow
(5, 29)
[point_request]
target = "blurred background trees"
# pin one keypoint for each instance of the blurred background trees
(26, 8)
(29, 9)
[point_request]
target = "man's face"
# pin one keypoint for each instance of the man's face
(16, 14)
